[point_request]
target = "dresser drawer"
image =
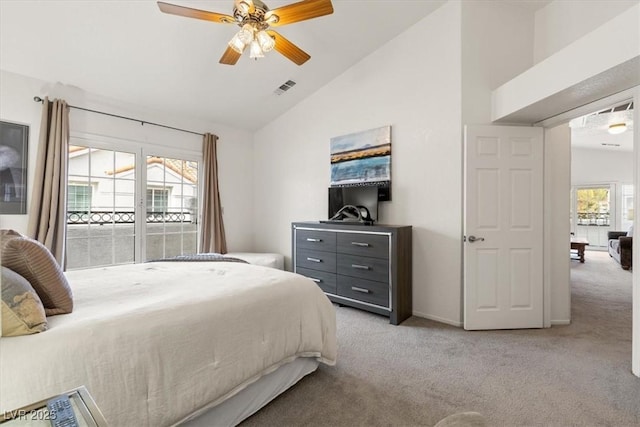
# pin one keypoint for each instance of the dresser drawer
(316, 240)
(364, 290)
(316, 260)
(326, 281)
(371, 245)
(364, 267)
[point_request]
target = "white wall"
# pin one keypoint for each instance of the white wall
(592, 166)
(234, 147)
(497, 40)
(413, 84)
(562, 22)
(557, 165)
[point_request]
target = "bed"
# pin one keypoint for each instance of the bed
(170, 343)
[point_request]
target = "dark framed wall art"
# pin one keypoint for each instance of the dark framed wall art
(14, 143)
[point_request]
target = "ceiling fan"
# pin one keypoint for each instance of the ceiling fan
(255, 19)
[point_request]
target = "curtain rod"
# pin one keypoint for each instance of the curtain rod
(142, 122)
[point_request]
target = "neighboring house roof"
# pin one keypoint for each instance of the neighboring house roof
(181, 167)
(76, 148)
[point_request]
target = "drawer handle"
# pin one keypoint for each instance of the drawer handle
(357, 289)
(315, 280)
(314, 259)
(309, 239)
(361, 244)
(359, 267)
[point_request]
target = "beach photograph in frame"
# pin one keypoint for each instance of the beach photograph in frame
(14, 142)
(363, 157)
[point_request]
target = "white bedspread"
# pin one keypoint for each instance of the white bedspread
(156, 342)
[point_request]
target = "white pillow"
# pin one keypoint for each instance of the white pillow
(630, 232)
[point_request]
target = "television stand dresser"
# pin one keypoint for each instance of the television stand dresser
(363, 266)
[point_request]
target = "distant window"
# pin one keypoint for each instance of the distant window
(78, 197)
(157, 200)
(627, 206)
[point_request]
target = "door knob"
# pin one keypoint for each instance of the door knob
(474, 239)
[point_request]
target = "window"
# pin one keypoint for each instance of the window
(172, 189)
(100, 207)
(125, 206)
(627, 207)
(157, 200)
(594, 213)
(78, 198)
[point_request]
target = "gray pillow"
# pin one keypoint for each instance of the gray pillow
(22, 310)
(6, 234)
(32, 260)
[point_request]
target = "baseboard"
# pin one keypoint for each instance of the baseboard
(460, 324)
(437, 319)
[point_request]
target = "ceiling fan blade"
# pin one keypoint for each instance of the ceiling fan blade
(288, 49)
(230, 56)
(297, 12)
(188, 12)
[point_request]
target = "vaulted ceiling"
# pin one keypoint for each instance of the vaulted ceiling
(130, 51)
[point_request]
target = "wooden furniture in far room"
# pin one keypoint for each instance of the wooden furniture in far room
(363, 266)
(578, 244)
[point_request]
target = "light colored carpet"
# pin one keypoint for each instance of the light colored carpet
(423, 371)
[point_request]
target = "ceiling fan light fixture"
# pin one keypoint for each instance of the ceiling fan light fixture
(255, 51)
(617, 128)
(255, 20)
(267, 43)
(243, 6)
(237, 44)
(246, 33)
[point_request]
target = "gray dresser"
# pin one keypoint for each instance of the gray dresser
(367, 267)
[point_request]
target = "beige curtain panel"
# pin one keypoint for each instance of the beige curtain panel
(212, 238)
(48, 210)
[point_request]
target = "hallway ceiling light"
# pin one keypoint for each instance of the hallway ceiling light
(617, 128)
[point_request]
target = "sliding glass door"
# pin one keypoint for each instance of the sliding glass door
(593, 213)
(126, 206)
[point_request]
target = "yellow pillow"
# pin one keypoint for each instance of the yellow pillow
(22, 310)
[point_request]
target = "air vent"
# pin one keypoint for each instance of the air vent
(608, 144)
(285, 87)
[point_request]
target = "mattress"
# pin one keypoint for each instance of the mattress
(155, 343)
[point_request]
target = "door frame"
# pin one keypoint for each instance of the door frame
(626, 95)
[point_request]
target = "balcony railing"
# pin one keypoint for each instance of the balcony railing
(594, 218)
(110, 217)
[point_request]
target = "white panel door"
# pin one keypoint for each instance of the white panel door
(503, 280)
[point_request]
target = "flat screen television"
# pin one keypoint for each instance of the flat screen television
(366, 196)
